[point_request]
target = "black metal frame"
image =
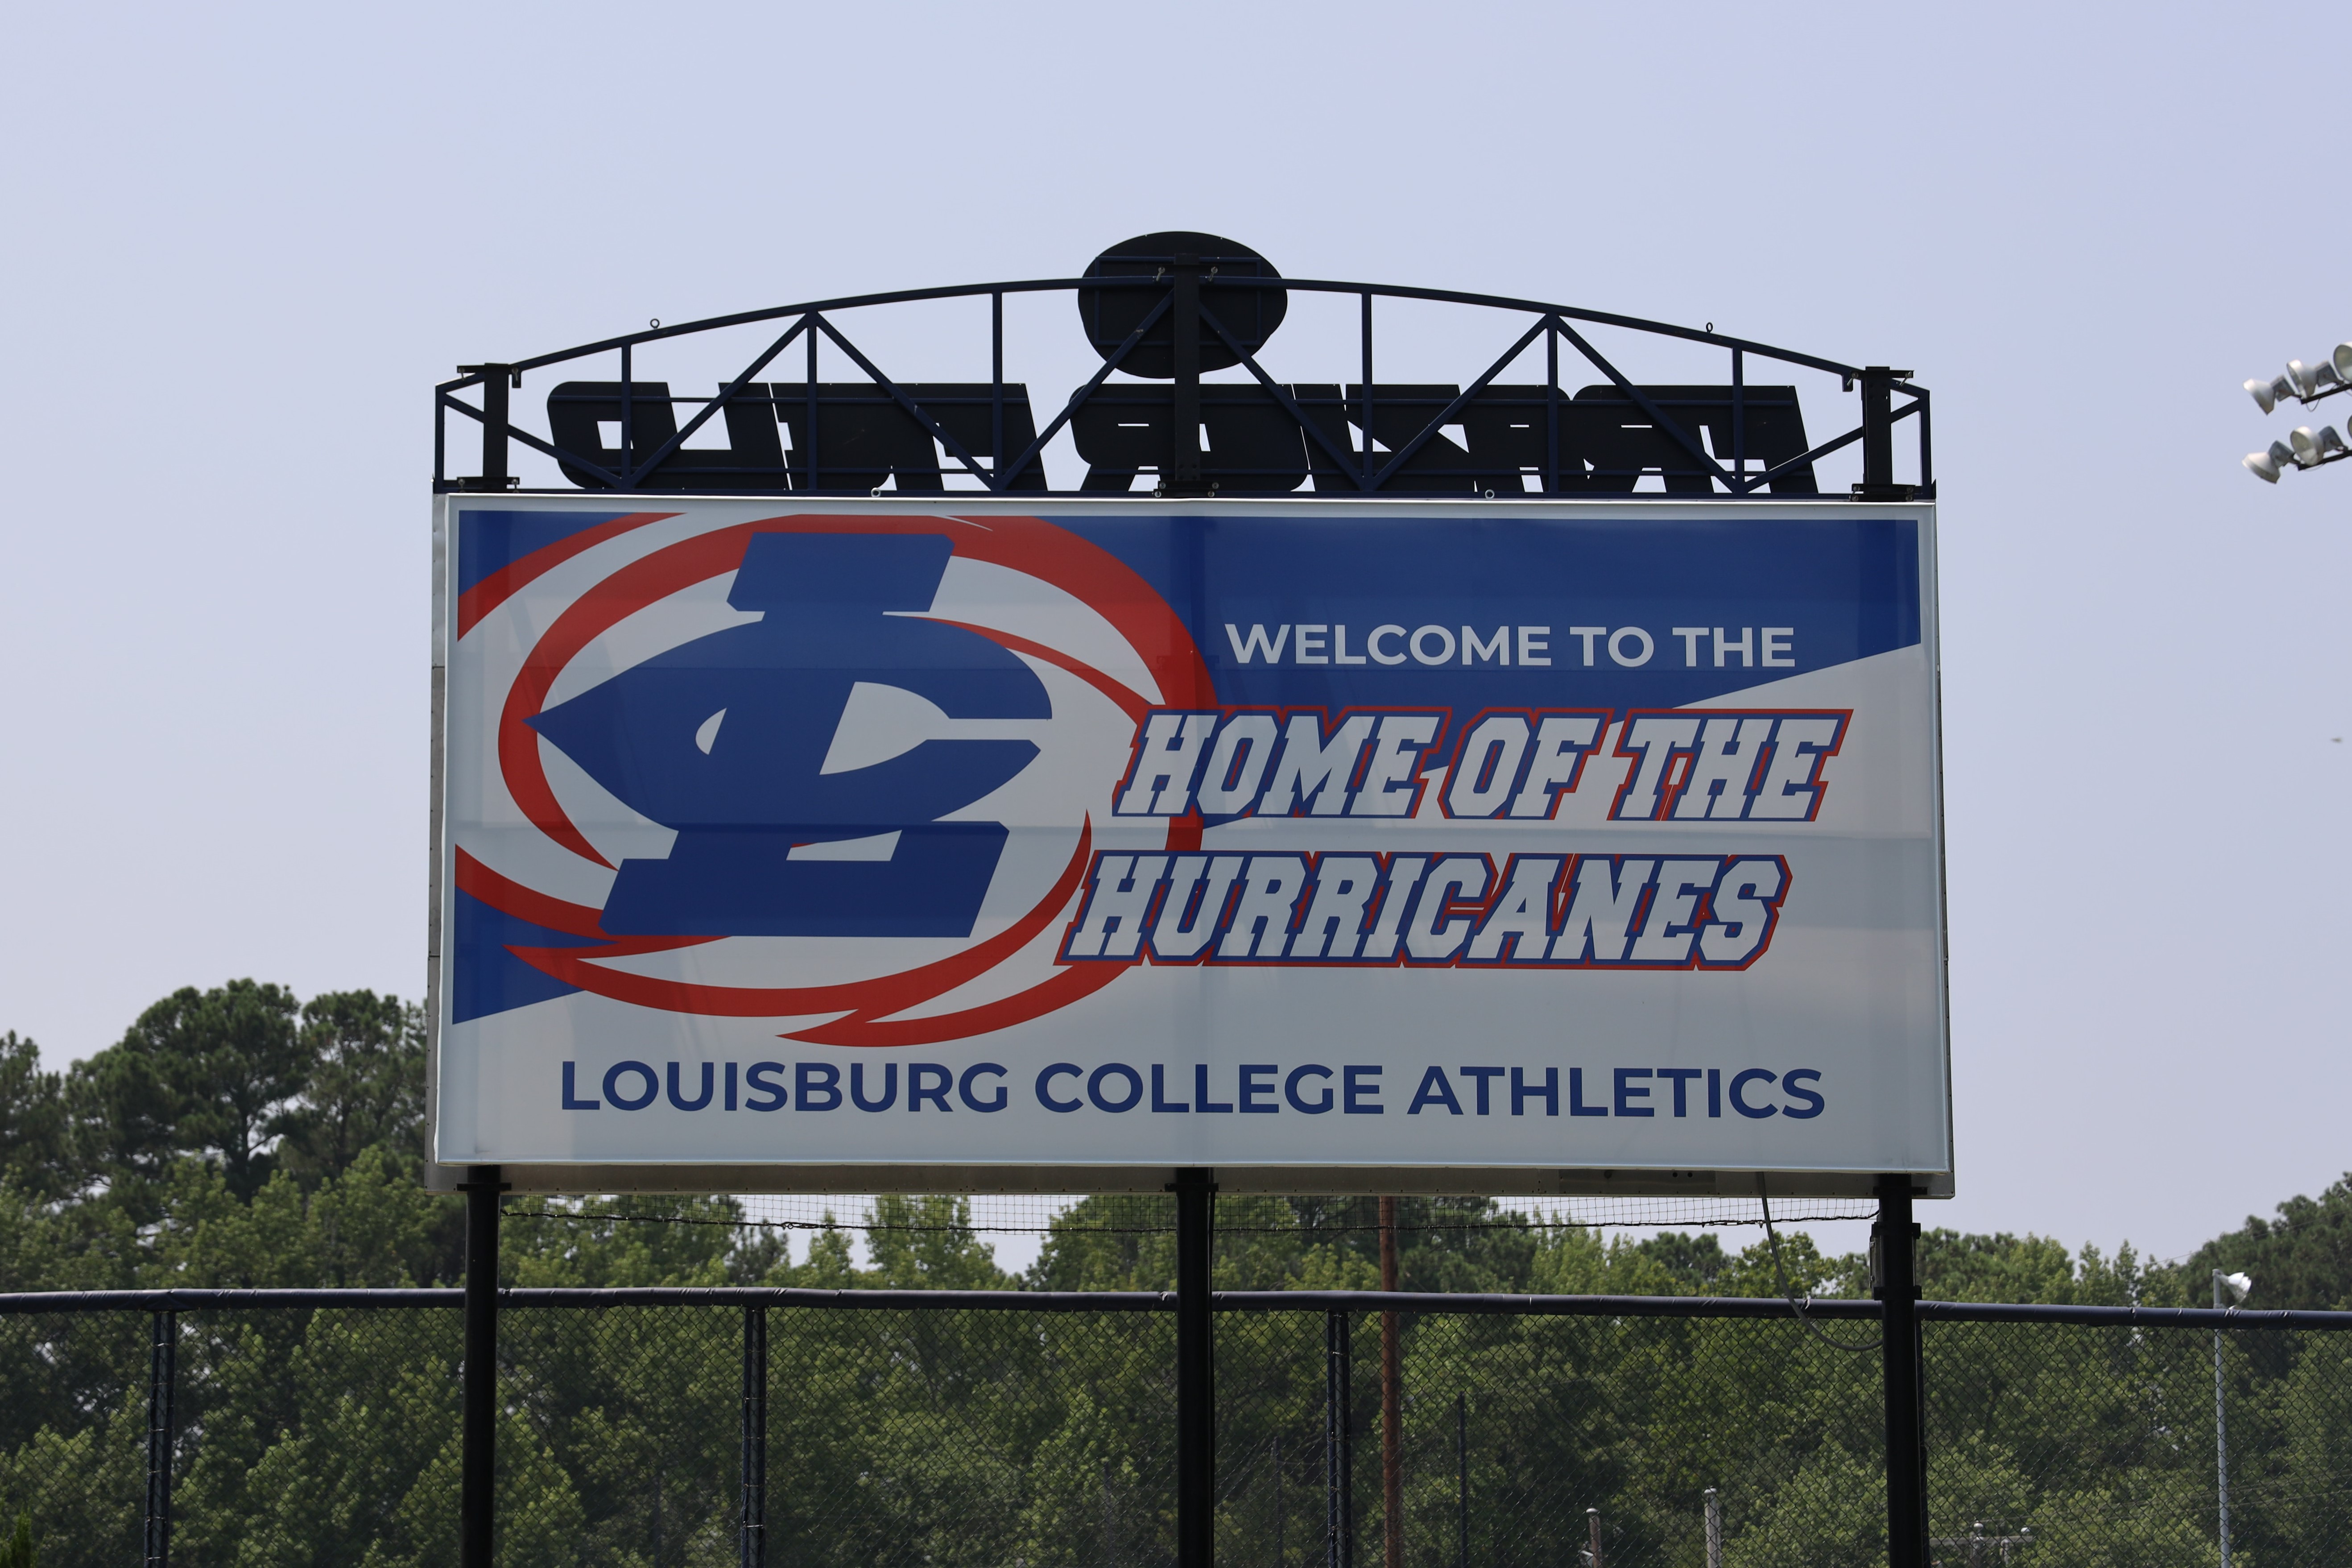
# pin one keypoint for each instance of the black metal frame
(162, 1380)
(1340, 1310)
(478, 1469)
(752, 1550)
(1328, 1301)
(1190, 296)
(1894, 1303)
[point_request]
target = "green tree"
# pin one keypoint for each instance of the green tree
(32, 1122)
(2303, 1257)
(363, 1085)
(207, 1072)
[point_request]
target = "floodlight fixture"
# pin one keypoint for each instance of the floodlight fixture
(2304, 383)
(2311, 449)
(2309, 378)
(2238, 1284)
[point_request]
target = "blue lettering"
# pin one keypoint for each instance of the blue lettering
(1045, 1090)
(1290, 1090)
(1482, 1076)
(889, 1086)
(816, 1086)
(1813, 1101)
(680, 1100)
(1160, 1100)
(1200, 1090)
(919, 1076)
(1436, 1091)
(613, 1077)
(1627, 1093)
(1357, 1091)
(1681, 1077)
(762, 1078)
(571, 1100)
(1258, 1097)
(1739, 1101)
(1523, 1092)
(1134, 1086)
(1576, 1106)
(977, 1070)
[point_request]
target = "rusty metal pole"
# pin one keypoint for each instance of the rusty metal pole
(1391, 1402)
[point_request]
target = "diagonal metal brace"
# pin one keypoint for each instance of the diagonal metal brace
(1657, 415)
(536, 445)
(1078, 398)
(899, 396)
(726, 395)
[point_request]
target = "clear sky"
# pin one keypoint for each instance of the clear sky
(247, 239)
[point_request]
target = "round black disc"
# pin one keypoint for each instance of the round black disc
(1250, 315)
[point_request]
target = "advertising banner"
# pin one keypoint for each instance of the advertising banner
(1257, 834)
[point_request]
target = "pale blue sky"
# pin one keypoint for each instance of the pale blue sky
(247, 239)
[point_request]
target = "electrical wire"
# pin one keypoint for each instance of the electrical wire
(1798, 1304)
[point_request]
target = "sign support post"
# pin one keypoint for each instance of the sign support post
(1339, 1443)
(1392, 1401)
(753, 1541)
(162, 1377)
(1895, 1247)
(1196, 1432)
(479, 1455)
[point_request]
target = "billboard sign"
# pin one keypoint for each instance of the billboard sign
(1272, 835)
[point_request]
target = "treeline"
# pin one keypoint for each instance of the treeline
(240, 1136)
(236, 1137)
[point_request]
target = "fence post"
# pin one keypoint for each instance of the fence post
(163, 1375)
(1196, 1428)
(477, 1463)
(1391, 1402)
(1893, 1246)
(1281, 1513)
(1713, 1528)
(1339, 1445)
(1462, 1481)
(754, 1544)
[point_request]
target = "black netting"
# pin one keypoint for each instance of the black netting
(73, 1433)
(2055, 1444)
(317, 1436)
(328, 1435)
(1513, 1428)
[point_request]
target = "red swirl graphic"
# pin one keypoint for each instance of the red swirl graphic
(1025, 545)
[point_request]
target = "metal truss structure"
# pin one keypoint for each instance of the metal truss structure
(1163, 310)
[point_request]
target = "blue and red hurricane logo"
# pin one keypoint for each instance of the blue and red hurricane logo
(839, 772)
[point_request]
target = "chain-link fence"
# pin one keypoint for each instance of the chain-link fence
(1022, 1428)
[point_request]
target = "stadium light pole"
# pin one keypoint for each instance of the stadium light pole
(2238, 1285)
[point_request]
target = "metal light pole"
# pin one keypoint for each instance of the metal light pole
(2237, 1285)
